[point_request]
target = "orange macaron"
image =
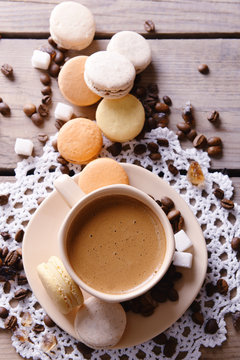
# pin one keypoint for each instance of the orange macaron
(72, 84)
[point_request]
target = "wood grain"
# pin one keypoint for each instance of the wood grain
(174, 68)
(170, 17)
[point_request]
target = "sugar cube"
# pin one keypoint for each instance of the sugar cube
(41, 59)
(182, 259)
(182, 241)
(23, 147)
(63, 111)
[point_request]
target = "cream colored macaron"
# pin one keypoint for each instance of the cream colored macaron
(72, 25)
(99, 324)
(101, 172)
(72, 84)
(79, 141)
(59, 285)
(132, 45)
(121, 119)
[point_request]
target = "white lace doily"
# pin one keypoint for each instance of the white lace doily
(34, 179)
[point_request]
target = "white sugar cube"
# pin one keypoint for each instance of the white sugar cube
(182, 241)
(63, 111)
(23, 147)
(41, 59)
(182, 259)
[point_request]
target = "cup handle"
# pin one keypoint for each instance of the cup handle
(68, 189)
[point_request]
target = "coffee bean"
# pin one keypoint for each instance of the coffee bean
(198, 318)
(59, 123)
(19, 264)
(5, 251)
(4, 199)
(3, 312)
(195, 306)
(21, 279)
(43, 110)
(139, 149)
(7, 273)
(236, 320)
(170, 347)
(180, 224)
(153, 89)
(173, 170)
(219, 193)
(214, 141)
(11, 258)
(152, 147)
(7, 287)
(200, 141)
(7, 70)
(59, 58)
(161, 107)
(213, 117)
(10, 323)
(19, 235)
(48, 321)
(163, 142)
(180, 135)
(149, 26)
(20, 294)
(214, 150)
(64, 169)
(210, 289)
(192, 134)
(1, 262)
(46, 90)
(227, 204)
(19, 251)
(62, 49)
(184, 127)
(52, 42)
(222, 286)
(115, 149)
(5, 235)
(47, 100)
(167, 100)
(54, 69)
(37, 119)
(160, 339)
(29, 109)
(140, 91)
(155, 156)
(43, 138)
(161, 120)
(4, 109)
(173, 295)
(1, 99)
(173, 215)
(159, 295)
(54, 145)
(211, 327)
(203, 69)
(45, 79)
(61, 160)
(187, 113)
(235, 243)
(38, 328)
(166, 201)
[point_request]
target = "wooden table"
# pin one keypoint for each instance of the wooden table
(188, 33)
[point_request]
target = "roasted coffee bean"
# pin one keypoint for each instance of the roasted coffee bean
(54, 145)
(214, 141)
(219, 193)
(159, 295)
(1, 99)
(160, 339)
(21, 279)
(192, 134)
(5, 235)
(211, 327)
(161, 107)
(152, 147)
(3, 312)
(59, 58)
(200, 141)
(170, 347)
(52, 42)
(5, 251)
(38, 328)
(184, 127)
(163, 142)
(140, 91)
(115, 149)
(10, 323)
(54, 69)
(62, 49)
(173, 170)
(167, 100)
(222, 286)
(227, 204)
(29, 109)
(45, 79)
(180, 135)
(46, 90)
(7, 273)
(235, 243)
(43, 110)
(139, 149)
(19, 264)
(180, 224)
(19, 251)
(7, 287)
(155, 156)
(61, 160)
(4, 109)
(1, 262)
(214, 150)
(7, 70)
(187, 113)
(166, 201)
(47, 100)
(59, 123)
(203, 69)
(19, 235)
(11, 258)
(173, 215)
(198, 318)
(213, 117)
(149, 26)
(236, 320)
(210, 289)
(43, 138)
(161, 120)
(173, 295)
(20, 294)
(64, 169)
(151, 123)
(37, 119)
(195, 306)
(3, 199)
(48, 321)
(85, 350)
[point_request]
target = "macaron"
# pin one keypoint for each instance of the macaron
(59, 285)
(121, 119)
(99, 324)
(101, 172)
(132, 45)
(72, 25)
(79, 141)
(109, 74)
(72, 84)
